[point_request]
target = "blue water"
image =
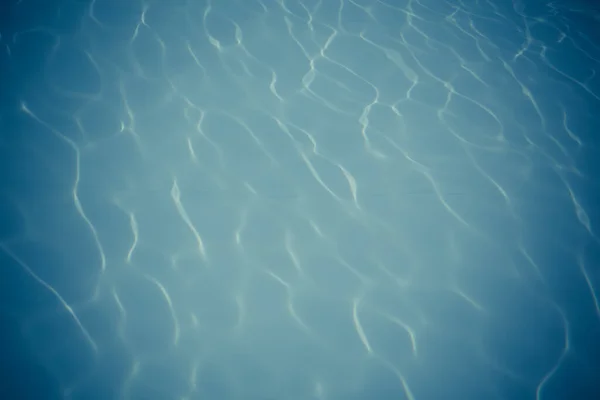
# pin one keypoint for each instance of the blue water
(286, 199)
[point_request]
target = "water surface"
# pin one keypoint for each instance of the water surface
(334, 199)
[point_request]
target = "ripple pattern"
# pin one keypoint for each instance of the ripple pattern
(303, 199)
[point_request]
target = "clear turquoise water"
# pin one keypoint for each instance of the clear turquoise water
(335, 199)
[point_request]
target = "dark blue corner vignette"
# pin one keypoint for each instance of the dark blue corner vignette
(21, 374)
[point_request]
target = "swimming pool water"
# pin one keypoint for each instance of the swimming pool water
(299, 199)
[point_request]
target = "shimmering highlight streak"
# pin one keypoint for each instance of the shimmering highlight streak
(54, 293)
(74, 193)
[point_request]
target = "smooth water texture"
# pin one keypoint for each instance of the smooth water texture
(299, 199)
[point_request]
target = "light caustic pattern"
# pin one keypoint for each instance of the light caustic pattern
(334, 199)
